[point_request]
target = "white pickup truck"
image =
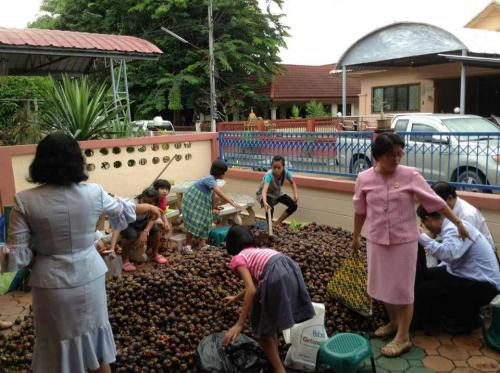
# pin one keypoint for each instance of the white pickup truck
(471, 157)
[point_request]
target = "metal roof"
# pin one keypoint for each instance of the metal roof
(36, 51)
(413, 44)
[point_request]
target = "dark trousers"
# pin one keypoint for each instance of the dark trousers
(439, 295)
(284, 199)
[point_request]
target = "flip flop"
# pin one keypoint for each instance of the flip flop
(384, 331)
(128, 267)
(395, 349)
(160, 259)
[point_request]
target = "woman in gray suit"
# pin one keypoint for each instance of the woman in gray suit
(53, 226)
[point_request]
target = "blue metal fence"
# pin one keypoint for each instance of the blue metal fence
(468, 160)
(310, 152)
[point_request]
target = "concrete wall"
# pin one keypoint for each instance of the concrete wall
(129, 166)
(328, 201)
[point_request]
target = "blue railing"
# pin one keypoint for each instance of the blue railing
(468, 160)
(310, 152)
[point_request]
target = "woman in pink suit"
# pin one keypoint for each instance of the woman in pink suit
(385, 199)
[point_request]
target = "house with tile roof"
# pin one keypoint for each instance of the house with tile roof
(488, 18)
(418, 67)
(299, 84)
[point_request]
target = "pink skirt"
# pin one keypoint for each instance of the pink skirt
(391, 272)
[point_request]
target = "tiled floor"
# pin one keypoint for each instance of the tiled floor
(443, 353)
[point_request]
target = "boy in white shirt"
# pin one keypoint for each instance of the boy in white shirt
(463, 209)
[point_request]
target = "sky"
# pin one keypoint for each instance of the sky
(320, 30)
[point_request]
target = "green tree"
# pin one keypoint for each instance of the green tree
(247, 43)
(315, 109)
(20, 98)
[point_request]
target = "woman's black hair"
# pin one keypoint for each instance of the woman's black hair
(150, 193)
(58, 161)
(162, 184)
(422, 213)
(444, 190)
(218, 168)
(238, 238)
(385, 142)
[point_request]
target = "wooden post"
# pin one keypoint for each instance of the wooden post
(260, 126)
(311, 125)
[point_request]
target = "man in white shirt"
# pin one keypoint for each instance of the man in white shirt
(468, 279)
(463, 209)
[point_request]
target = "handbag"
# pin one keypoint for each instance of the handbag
(348, 285)
(114, 263)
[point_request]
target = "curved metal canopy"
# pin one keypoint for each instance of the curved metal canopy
(400, 40)
(409, 43)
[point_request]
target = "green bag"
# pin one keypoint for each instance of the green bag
(6, 279)
(348, 285)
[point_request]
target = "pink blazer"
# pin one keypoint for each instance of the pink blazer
(389, 204)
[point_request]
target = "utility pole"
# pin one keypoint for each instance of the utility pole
(213, 99)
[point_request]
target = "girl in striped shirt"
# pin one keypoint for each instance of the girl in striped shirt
(275, 296)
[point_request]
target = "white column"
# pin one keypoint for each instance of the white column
(335, 109)
(273, 112)
(462, 85)
(354, 109)
(344, 91)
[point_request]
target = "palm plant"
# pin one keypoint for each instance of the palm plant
(315, 109)
(76, 107)
(122, 129)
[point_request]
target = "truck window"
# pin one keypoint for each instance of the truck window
(401, 125)
(420, 127)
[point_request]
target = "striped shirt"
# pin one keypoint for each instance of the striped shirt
(254, 259)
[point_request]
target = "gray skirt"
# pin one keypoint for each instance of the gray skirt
(72, 330)
(281, 300)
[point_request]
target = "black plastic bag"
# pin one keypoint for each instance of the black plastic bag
(243, 356)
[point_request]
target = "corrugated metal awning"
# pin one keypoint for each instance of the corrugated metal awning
(40, 52)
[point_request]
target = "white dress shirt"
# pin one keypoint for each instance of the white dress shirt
(465, 211)
(464, 258)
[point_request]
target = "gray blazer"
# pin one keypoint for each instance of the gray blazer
(54, 226)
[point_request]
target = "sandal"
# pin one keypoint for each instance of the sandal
(160, 259)
(128, 267)
(394, 349)
(384, 331)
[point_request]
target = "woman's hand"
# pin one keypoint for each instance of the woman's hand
(356, 243)
(296, 198)
(229, 300)
(232, 334)
(462, 231)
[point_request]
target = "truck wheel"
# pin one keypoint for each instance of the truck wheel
(472, 176)
(359, 164)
